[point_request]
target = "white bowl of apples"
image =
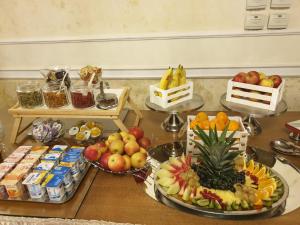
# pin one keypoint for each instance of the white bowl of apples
(120, 153)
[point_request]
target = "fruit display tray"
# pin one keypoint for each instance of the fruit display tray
(161, 153)
(254, 95)
(241, 135)
(172, 96)
(67, 197)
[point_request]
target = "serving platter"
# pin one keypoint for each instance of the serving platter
(160, 154)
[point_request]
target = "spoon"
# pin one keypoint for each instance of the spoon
(290, 144)
(283, 147)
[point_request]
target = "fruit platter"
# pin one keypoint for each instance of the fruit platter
(120, 153)
(222, 183)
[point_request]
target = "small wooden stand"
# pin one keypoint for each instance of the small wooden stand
(69, 112)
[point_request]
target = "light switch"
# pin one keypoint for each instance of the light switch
(280, 3)
(254, 21)
(278, 21)
(256, 4)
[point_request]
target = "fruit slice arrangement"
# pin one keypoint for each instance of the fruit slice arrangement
(221, 179)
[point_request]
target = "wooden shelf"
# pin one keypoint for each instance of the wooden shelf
(70, 112)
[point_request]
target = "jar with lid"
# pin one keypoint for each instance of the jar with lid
(55, 96)
(29, 95)
(82, 96)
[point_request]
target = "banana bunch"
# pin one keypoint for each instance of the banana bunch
(172, 79)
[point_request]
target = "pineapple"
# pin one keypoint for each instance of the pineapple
(217, 168)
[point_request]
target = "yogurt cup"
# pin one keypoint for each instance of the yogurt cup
(3, 193)
(23, 149)
(34, 186)
(53, 156)
(14, 157)
(6, 167)
(59, 148)
(31, 158)
(44, 166)
(65, 173)
(13, 187)
(55, 187)
(39, 150)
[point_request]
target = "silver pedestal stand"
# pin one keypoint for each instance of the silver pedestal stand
(250, 122)
(174, 122)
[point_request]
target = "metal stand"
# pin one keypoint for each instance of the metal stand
(174, 122)
(252, 125)
(250, 122)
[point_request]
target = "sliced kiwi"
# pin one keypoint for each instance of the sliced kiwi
(235, 206)
(211, 204)
(203, 202)
(268, 203)
(228, 207)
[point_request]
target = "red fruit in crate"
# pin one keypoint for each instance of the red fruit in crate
(266, 83)
(240, 77)
(252, 77)
(137, 132)
(144, 142)
(276, 80)
(92, 153)
(104, 159)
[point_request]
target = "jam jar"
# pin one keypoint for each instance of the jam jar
(55, 96)
(82, 96)
(29, 95)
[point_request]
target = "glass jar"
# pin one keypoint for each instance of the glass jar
(29, 95)
(82, 96)
(55, 96)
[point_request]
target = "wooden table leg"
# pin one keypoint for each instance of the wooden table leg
(15, 129)
(120, 124)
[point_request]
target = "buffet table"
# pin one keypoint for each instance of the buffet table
(108, 197)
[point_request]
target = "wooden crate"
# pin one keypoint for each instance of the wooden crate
(241, 136)
(172, 96)
(254, 95)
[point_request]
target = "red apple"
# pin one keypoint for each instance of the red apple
(127, 162)
(92, 153)
(240, 77)
(144, 142)
(276, 80)
(137, 132)
(266, 82)
(104, 159)
(116, 162)
(102, 146)
(131, 147)
(252, 77)
(116, 146)
(138, 160)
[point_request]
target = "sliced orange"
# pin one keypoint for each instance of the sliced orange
(262, 194)
(201, 116)
(256, 169)
(222, 116)
(261, 173)
(251, 166)
(265, 183)
(268, 189)
(233, 125)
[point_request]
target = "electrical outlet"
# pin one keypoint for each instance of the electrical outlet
(278, 21)
(256, 4)
(254, 22)
(280, 3)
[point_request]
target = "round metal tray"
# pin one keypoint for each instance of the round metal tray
(161, 154)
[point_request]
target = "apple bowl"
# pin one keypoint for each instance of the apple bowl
(132, 171)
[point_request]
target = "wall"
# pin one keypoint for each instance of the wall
(138, 39)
